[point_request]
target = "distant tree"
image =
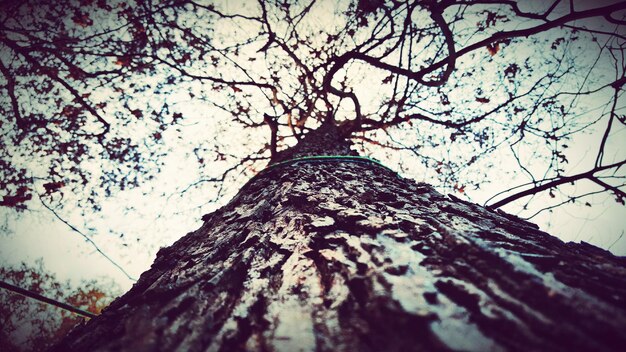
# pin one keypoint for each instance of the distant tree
(29, 325)
(92, 90)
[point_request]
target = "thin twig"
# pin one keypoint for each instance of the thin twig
(89, 240)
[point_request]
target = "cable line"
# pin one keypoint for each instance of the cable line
(89, 240)
(36, 296)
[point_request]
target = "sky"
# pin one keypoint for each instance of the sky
(135, 223)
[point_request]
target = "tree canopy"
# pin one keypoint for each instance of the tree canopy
(99, 96)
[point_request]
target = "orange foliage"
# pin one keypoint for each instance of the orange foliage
(30, 325)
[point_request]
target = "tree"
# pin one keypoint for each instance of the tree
(345, 255)
(445, 88)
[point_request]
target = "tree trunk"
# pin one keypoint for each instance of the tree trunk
(348, 256)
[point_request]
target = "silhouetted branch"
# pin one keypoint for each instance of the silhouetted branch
(556, 182)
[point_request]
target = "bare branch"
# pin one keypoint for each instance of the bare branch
(554, 183)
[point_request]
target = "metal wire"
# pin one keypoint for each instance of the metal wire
(33, 295)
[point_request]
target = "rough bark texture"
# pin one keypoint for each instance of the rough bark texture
(344, 256)
(325, 140)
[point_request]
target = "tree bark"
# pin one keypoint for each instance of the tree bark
(348, 256)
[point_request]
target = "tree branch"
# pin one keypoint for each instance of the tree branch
(11, 83)
(555, 182)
